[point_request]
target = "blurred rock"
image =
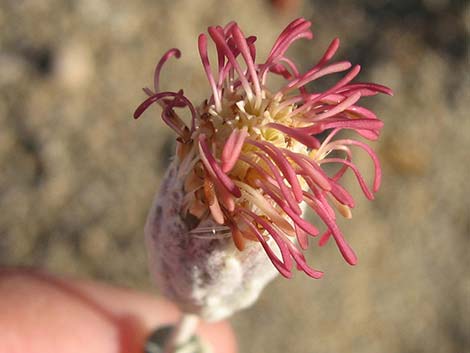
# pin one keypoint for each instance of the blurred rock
(74, 66)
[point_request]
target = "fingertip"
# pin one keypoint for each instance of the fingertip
(220, 335)
(42, 312)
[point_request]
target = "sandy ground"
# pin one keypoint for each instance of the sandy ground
(78, 173)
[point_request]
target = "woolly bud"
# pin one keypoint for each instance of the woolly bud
(204, 274)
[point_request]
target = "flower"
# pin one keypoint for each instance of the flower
(251, 159)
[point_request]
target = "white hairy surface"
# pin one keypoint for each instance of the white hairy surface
(205, 276)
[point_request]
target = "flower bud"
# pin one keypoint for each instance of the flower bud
(202, 272)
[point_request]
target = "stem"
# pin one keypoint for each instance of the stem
(182, 332)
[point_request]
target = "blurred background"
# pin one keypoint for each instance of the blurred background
(78, 173)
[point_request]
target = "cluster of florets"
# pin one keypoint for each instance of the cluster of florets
(252, 159)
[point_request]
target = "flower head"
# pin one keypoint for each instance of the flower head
(252, 158)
